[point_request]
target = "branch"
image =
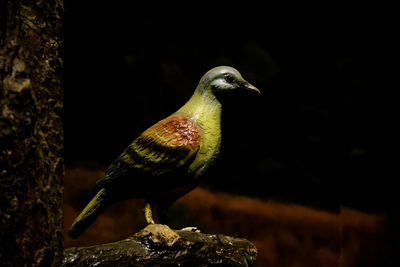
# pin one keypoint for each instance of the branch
(158, 245)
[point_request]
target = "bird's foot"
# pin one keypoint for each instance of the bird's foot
(191, 229)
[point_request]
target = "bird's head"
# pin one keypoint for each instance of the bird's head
(225, 79)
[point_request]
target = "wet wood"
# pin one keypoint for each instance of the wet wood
(158, 245)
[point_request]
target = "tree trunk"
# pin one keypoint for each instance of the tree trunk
(158, 245)
(31, 137)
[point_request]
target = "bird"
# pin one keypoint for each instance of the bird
(167, 160)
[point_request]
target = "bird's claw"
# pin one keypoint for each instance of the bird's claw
(191, 229)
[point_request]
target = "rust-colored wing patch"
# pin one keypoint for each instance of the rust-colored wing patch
(175, 131)
(168, 144)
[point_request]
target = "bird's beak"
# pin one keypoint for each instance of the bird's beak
(250, 87)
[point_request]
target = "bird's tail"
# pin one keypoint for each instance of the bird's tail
(95, 207)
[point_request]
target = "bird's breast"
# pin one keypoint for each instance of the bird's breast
(210, 139)
(204, 109)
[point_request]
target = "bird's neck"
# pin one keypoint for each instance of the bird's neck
(203, 107)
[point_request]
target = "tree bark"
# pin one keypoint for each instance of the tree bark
(31, 137)
(158, 245)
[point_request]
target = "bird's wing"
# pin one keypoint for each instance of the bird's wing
(166, 146)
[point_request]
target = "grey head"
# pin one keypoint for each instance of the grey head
(224, 79)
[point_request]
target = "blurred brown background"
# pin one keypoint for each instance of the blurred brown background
(304, 169)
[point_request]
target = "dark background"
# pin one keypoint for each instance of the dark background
(320, 135)
(316, 135)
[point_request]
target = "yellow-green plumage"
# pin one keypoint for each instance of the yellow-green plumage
(166, 160)
(205, 111)
(92, 210)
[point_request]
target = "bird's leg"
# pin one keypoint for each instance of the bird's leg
(148, 214)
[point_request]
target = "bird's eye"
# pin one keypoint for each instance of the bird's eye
(229, 78)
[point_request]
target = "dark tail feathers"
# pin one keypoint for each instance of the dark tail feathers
(89, 214)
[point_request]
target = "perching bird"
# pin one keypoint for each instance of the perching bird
(166, 161)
